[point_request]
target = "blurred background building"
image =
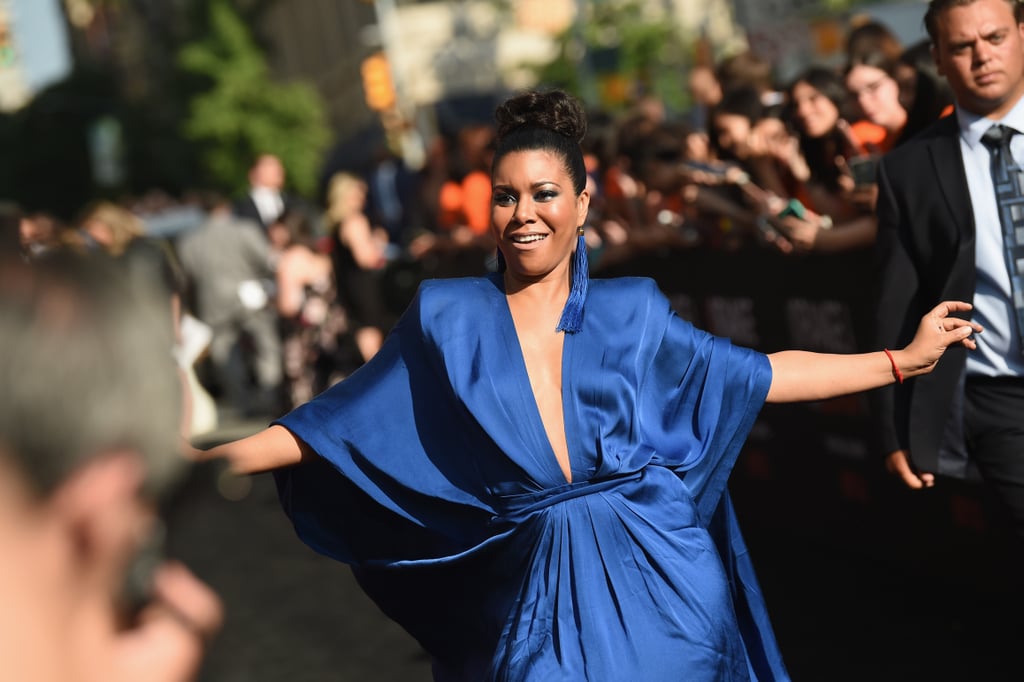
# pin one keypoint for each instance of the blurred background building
(118, 97)
(34, 49)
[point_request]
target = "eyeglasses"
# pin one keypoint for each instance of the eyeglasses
(871, 88)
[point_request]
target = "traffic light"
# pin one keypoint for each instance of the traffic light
(377, 82)
(8, 57)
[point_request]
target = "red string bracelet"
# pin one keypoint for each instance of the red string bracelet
(895, 368)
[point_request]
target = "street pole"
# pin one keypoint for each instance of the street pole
(408, 138)
(388, 27)
(588, 84)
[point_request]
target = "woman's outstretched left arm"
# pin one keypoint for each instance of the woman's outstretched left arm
(802, 375)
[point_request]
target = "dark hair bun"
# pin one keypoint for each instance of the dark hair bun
(554, 110)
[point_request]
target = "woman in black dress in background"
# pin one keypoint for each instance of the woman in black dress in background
(358, 257)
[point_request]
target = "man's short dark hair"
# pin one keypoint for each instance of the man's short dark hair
(937, 7)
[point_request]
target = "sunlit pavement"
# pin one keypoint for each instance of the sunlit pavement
(291, 614)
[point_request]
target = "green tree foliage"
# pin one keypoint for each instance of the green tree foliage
(620, 42)
(843, 5)
(245, 113)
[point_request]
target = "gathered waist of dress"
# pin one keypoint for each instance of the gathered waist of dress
(655, 496)
(515, 508)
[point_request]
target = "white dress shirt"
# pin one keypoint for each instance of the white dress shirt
(999, 347)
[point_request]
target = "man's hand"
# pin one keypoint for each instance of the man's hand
(168, 642)
(898, 463)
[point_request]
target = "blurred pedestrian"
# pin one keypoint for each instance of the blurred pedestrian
(835, 219)
(110, 227)
(924, 92)
(871, 81)
(358, 256)
(465, 197)
(40, 232)
(89, 445)
(313, 323)
(119, 233)
(266, 199)
(11, 243)
(227, 262)
(705, 92)
(392, 198)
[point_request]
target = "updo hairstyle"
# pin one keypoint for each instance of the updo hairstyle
(551, 121)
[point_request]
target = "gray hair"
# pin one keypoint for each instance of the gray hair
(86, 368)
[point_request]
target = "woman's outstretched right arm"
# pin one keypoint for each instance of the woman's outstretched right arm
(271, 448)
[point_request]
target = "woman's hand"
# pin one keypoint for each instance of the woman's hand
(937, 331)
(801, 375)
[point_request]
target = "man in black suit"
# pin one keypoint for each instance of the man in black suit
(940, 237)
(266, 199)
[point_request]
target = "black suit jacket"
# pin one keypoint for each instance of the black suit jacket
(245, 207)
(924, 254)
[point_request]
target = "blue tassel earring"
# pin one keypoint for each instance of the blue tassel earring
(572, 313)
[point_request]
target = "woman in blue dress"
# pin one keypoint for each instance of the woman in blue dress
(530, 476)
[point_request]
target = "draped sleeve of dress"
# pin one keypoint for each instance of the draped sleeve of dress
(436, 482)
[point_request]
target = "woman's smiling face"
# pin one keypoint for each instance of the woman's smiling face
(878, 95)
(535, 214)
(815, 113)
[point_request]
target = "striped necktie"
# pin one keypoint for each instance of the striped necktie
(1007, 177)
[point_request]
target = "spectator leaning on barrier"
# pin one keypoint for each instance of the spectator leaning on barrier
(836, 217)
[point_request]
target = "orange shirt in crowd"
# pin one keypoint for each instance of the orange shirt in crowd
(467, 203)
(872, 137)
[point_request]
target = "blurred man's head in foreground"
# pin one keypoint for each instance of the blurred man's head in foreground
(89, 439)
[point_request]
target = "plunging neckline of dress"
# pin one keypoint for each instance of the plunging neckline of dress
(515, 350)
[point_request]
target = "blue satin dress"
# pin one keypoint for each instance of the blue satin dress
(437, 483)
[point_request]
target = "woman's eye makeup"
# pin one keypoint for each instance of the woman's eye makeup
(504, 199)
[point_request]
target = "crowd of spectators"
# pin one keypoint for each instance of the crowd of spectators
(272, 298)
(285, 296)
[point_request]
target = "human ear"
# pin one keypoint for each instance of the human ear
(582, 207)
(99, 508)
